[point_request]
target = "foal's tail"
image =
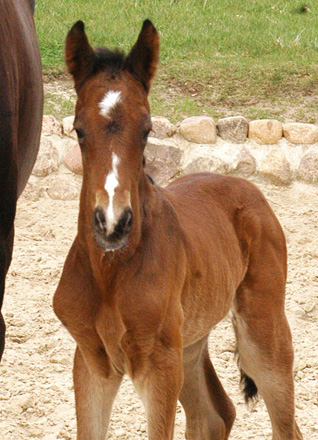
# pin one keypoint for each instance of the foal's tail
(247, 384)
(248, 387)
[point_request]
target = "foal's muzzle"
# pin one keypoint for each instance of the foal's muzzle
(118, 238)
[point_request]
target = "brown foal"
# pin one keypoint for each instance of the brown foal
(152, 270)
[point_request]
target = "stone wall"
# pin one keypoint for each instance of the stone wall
(277, 152)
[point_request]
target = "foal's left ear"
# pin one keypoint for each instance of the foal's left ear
(142, 60)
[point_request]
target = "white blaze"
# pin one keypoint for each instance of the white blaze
(110, 100)
(111, 184)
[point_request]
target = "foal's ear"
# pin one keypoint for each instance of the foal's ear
(79, 55)
(142, 60)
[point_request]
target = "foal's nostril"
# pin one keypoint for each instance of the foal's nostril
(125, 223)
(117, 237)
(129, 220)
(100, 220)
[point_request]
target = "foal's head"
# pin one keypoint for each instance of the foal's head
(112, 122)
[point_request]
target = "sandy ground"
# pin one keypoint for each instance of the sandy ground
(36, 393)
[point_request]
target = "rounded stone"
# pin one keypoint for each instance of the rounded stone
(199, 129)
(68, 127)
(203, 164)
(33, 190)
(63, 145)
(299, 133)
(276, 167)
(308, 167)
(50, 125)
(265, 131)
(234, 129)
(47, 160)
(73, 160)
(63, 188)
(162, 160)
(245, 163)
(162, 127)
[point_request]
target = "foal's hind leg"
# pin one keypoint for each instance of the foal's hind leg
(264, 339)
(209, 411)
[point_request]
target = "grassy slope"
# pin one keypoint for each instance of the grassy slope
(220, 57)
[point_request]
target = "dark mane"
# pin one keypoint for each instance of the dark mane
(111, 60)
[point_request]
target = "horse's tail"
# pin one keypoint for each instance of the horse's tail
(248, 387)
(247, 384)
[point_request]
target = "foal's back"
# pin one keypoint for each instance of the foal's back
(228, 209)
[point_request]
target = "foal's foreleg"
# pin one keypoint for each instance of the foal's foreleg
(157, 377)
(94, 396)
(209, 411)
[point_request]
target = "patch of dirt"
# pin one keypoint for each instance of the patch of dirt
(61, 86)
(36, 390)
(59, 96)
(288, 99)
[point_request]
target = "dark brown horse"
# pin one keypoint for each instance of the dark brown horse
(152, 270)
(21, 106)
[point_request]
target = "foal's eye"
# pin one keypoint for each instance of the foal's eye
(80, 134)
(146, 134)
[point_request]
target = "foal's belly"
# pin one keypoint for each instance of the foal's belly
(203, 313)
(207, 300)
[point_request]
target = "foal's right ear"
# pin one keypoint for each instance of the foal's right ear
(79, 55)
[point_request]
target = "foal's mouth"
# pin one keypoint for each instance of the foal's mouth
(110, 245)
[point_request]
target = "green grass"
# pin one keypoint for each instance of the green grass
(57, 105)
(219, 57)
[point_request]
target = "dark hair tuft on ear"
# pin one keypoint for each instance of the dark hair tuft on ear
(142, 60)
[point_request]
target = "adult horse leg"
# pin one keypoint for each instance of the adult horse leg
(94, 397)
(264, 339)
(2, 284)
(2, 323)
(209, 411)
(5, 260)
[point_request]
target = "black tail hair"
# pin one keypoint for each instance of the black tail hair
(247, 384)
(248, 387)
